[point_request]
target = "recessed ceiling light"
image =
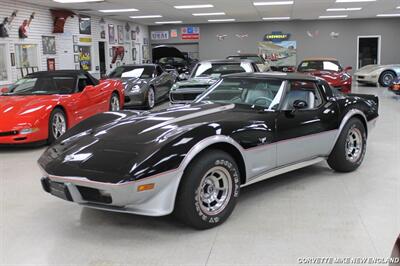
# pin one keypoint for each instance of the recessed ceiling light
(147, 16)
(222, 20)
(273, 3)
(354, 1)
(76, 1)
(388, 15)
(398, 7)
(194, 6)
(169, 22)
(276, 18)
(344, 9)
(119, 10)
(209, 14)
(337, 16)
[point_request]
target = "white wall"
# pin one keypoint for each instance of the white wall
(43, 25)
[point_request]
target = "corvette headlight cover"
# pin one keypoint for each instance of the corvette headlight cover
(135, 88)
(345, 77)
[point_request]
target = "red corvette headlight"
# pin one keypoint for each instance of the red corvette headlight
(28, 131)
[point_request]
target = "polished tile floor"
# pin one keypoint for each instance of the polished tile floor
(310, 212)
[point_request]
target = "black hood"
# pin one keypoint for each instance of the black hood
(166, 51)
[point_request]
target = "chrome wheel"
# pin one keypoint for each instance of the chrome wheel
(114, 103)
(215, 190)
(151, 98)
(354, 145)
(58, 125)
(387, 78)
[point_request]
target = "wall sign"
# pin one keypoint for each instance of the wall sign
(276, 36)
(174, 33)
(190, 33)
(159, 35)
(85, 39)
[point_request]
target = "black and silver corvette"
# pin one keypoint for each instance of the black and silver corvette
(193, 160)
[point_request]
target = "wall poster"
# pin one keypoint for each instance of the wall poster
(120, 34)
(49, 45)
(111, 34)
(85, 25)
(85, 58)
(51, 64)
(279, 54)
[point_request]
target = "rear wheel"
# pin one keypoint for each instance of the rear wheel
(115, 104)
(57, 124)
(151, 98)
(349, 151)
(208, 190)
(386, 78)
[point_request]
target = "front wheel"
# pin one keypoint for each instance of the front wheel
(386, 78)
(57, 124)
(208, 190)
(115, 104)
(151, 98)
(349, 151)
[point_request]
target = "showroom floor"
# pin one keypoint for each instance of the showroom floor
(310, 212)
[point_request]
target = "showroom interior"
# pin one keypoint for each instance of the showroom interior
(199, 132)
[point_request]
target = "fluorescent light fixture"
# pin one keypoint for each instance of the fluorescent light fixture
(276, 18)
(147, 16)
(274, 3)
(398, 7)
(337, 16)
(344, 9)
(209, 14)
(388, 15)
(222, 20)
(169, 22)
(119, 10)
(194, 6)
(76, 1)
(354, 1)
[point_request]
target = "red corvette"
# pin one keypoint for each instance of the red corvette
(330, 70)
(43, 105)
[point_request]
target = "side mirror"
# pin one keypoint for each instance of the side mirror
(347, 69)
(300, 104)
(183, 76)
(3, 90)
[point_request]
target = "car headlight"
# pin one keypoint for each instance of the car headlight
(135, 88)
(345, 77)
(174, 87)
(26, 131)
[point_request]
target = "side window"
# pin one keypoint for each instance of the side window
(306, 91)
(84, 81)
(159, 71)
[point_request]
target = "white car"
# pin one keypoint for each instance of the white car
(262, 64)
(382, 74)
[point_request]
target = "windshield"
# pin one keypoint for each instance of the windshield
(218, 69)
(133, 72)
(319, 65)
(265, 93)
(43, 85)
(254, 58)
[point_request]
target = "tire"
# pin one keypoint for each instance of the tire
(350, 148)
(115, 104)
(386, 78)
(211, 167)
(57, 125)
(150, 99)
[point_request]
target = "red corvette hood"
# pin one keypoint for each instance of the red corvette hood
(332, 77)
(14, 109)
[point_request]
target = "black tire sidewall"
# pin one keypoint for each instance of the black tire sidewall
(188, 194)
(51, 137)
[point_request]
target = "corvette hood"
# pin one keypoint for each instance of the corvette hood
(166, 51)
(108, 152)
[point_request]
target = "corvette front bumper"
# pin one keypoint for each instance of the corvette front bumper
(129, 197)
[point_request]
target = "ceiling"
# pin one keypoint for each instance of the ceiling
(241, 10)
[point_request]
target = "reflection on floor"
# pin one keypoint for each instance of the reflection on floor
(310, 212)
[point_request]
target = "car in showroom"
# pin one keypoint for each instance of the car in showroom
(262, 64)
(206, 73)
(395, 86)
(383, 75)
(41, 106)
(330, 70)
(145, 85)
(171, 59)
(192, 160)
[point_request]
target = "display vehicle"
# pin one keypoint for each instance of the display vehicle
(145, 85)
(206, 73)
(383, 75)
(42, 106)
(171, 59)
(395, 86)
(192, 160)
(262, 64)
(330, 70)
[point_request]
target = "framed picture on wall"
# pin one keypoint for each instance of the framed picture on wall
(111, 33)
(111, 52)
(85, 58)
(75, 38)
(85, 25)
(12, 59)
(76, 58)
(120, 34)
(76, 49)
(133, 35)
(77, 67)
(134, 54)
(49, 45)
(51, 64)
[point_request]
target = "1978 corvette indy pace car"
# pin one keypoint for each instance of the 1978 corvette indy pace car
(192, 160)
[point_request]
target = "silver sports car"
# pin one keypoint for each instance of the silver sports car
(374, 74)
(145, 85)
